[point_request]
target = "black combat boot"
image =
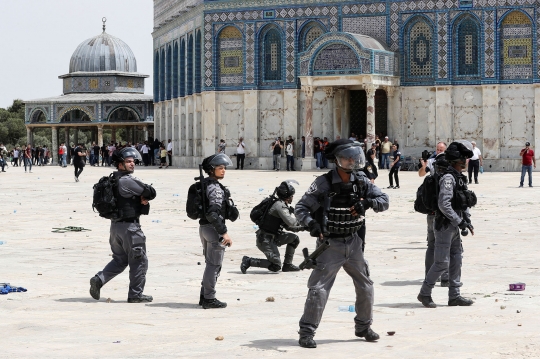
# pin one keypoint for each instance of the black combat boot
(289, 267)
(95, 287)
(460, 301)
(246, 262)
(426, 301)
(307, 342)
(213, 304)
(445, 283)
(201, 299)
(369, 334)
(141, 299)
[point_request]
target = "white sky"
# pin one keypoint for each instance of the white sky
(38, 37)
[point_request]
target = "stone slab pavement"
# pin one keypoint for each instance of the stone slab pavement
(57, 318)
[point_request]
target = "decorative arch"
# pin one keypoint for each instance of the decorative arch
(156, 77)
(466, 31)
(271, 54)
(336, 58)
(162, 76)
(189, 87)
(183, 68)
(310, 31)
(419, 49)
(230, 57)
(168, 73)
(75, 114)
(124, 114)
(175, 71)
(198, 59)
(516, 46)
(38, 115)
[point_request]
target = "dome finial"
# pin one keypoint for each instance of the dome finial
(104, 20)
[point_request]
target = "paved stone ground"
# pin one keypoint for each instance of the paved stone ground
(57, 318)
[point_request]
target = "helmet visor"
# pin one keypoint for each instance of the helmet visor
(466, 144)
(131, 152)
(221, 159)
(351, 158)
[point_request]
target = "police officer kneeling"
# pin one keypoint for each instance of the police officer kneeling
(127, 240)
(270, 235)
(454, 201)
(333, 208)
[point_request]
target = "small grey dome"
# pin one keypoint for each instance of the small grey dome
(103, 53)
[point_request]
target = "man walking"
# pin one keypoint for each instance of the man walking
(3, 154)
(28, 158)
(169, 151)
(96, 149)
(386, 147)
(240, 153)
(145, 156)
(395, 168)
(78, 160)
(527, 162)
(276, 153)
(290, 154)
(474, 163)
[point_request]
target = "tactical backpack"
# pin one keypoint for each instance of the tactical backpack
(104, 199)
(194, 204)
(426, 201)
(259, 211)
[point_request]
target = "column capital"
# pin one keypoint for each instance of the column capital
(390, 90)
(308, 89)
(100, 127)
(370, 90)
(330, 91)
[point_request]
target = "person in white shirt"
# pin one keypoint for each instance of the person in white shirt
(240, 153)
(474, 163)
(145, 157)
(289, 150)
(169, 151)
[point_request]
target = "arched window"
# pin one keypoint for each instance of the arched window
(183, 68)
(175, 71)
(467, 34)
(189, 88)
(231, 63)
(309, 33)
(516, 46)
(168, 73)
(162, 76)
(271, 55)
(198, 78)
(418, 50)
(156, 77)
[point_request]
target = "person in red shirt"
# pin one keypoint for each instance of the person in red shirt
(527, 155)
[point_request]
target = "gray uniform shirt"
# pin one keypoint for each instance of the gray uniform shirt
(281, 209)
(215, 201)
(309, 203)
(130, 186)
(447, 183)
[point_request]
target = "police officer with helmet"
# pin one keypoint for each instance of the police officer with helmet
(270, 235)
(127, 240)
(333, 209)
(454, 201)
(213, 229)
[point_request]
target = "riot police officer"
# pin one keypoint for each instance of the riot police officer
(333, 209)
(454, 200)
(270, 235)
(213, 229)
(127, 240)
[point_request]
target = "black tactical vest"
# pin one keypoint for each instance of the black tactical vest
(127, 207)
(340, 219)
(463, 197)
(271, 224)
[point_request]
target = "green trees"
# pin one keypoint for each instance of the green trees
(12, 129)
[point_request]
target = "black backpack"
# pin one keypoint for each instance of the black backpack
(259, 211)
(104, 200)
(195, 198)
(426, 201)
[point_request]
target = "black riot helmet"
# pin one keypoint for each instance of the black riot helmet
(119, 156)
(346, 154)
(440, 164)
(211, 162)
(458, 152)
(286, 189)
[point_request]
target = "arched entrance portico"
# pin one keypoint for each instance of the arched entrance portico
(123, 114)
(358, 113)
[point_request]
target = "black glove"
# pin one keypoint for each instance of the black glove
(359, 208)
(314, 228)
(291, 210)
(463, 225)
(367, 203)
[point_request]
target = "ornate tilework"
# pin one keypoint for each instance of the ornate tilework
(336, 59)
(309, 34)
(466, 48)
(419, 38)
(442, 50)
(489, 44)
(373, 26)
(290, 66)
(250, 53)
(271, 56)
(516, 46)
(231, 60)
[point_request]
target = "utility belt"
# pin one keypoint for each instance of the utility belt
(341, 221)
(129, 220)
(262, 234)
(339, 238)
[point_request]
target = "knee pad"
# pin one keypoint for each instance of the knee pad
(274, 267)
(295, 243)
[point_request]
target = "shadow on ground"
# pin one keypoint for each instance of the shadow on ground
(402, 283)
(400, 305)
(174, 305)
(276, 344)
(81, 300)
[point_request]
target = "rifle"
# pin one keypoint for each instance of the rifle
(203, 190)
(310, 260)
(326, 208)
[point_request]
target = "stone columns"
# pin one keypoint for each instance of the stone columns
(308, 120)
(208, 130)
(370, 117)
(113, 134)
(394, 128)
(29, 136)
(338, 104)
(76, 136)
(145, 133)
(100, 135)
(328, 122)
(251, 122)
(290, 118)
(491, 122)
(66, 137)
(54, 148)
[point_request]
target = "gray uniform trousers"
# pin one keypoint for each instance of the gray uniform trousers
(448, 250)
(128, 245)
(213, 255)
(268, 244)
(430, 251)
(347, 254)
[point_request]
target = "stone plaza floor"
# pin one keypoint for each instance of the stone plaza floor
(57, 318)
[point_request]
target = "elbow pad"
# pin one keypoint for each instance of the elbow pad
(217, 221)
(149, 192)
